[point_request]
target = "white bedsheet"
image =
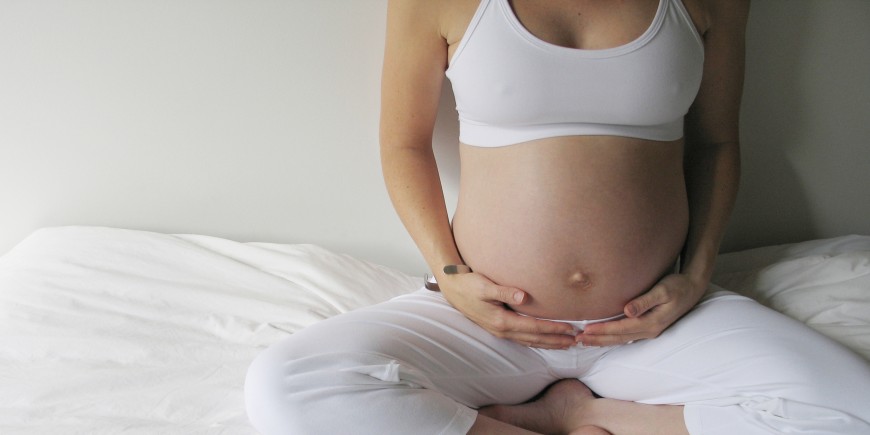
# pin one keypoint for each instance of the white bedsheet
(110, 331)
(106, 331)
(823, 283)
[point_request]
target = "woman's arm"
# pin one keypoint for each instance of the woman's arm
(712, 156)
(414, 62)
(712, 169)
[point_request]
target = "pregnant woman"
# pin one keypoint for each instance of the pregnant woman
(599, 164)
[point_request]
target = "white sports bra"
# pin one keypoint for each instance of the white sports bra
(513, 87)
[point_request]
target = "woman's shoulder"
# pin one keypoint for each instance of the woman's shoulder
(449, 17)
(708, 14)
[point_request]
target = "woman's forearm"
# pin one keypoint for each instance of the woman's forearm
(712, 138)
(414, 185)
(712, 179)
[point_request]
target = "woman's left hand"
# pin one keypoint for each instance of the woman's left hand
(649, 314)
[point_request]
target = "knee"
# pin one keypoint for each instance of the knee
(291, 390)
(276, 387)
(265, 395)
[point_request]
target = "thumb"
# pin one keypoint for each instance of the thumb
(643, 303)
(509, 295)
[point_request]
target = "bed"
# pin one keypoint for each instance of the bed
(106, 330)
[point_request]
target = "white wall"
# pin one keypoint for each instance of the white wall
(252, 120)
(257, 121)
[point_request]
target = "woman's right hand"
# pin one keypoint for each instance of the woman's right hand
(484, 303)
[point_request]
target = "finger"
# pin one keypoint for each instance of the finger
(656, 296)
(624, 326)
(543, 346)
(526, 324)
(608, 340)
(551, 347)
(624, 330)
(507, 295)
(543, 341)
(531, 331)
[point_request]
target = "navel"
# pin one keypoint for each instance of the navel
(580, 280)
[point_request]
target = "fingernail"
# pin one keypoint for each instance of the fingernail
(518, 296)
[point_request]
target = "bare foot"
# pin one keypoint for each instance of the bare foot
(561, 409)
(566, 401)
(569, 407)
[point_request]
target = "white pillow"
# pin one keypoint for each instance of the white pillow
(823, 283)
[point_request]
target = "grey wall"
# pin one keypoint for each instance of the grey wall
(805, 124)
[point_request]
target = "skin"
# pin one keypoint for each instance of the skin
(595, 252)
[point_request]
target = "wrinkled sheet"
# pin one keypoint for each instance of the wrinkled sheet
(109, 331)
(824, 283)
(106, 331)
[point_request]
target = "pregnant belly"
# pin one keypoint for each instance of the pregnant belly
(581, 229)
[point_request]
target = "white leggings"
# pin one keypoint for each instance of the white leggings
(415, 365)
